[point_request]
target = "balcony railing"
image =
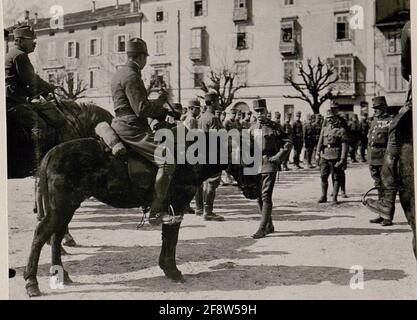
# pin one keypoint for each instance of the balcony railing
(240, 14)
(196, 54)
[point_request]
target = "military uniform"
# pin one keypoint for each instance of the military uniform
(385, 207)
(132, 108)
(275, 148)
(364, 131)
(298, 140)
(333, 153)
(354, 137)
(309, 140)
(190, 121)
(207, 192)
(317, 130)
(287, 129)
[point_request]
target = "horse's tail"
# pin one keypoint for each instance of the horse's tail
(42, 192)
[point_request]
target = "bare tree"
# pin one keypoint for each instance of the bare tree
(318, 83)
(71, 88)
(223, 82)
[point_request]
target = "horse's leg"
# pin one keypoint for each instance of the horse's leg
(43, 232)
(167, 260)
(56, 250)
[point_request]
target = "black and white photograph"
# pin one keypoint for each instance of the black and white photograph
(209, 150)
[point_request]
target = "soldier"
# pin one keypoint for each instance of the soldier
(385, 207)
(297, 139)
(272, 157)
(23, 85)
(229, 122)
(287, 128)
(191, 122)
(332, 147)
(309, 140)
(207, 192)
(277, 119)
(132, 108)
(269, 115)
(203, 109)
(238, 120)
(364, 130)
(317, 130)
(184, 114)
(378, 140)
(354, 137)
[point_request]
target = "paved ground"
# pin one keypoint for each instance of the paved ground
(309, 257)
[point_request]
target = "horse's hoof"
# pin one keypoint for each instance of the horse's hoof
(32, 290)
(175, 276)
(67, 279)
(70, 243)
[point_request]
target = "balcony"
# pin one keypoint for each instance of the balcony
(345, 88)
(288, 47)
(196, 54)
(240, 14)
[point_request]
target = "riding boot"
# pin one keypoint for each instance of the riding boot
(270, 226)
(265, 219)
(159, 208)
(324, 187)
(343, 186)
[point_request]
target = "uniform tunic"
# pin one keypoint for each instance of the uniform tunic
(132, 109)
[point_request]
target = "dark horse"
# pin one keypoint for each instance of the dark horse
(74, 171)
(404, 136)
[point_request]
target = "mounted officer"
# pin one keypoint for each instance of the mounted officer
(385, 206)
(309, 139)
(275, 149)
(132, 108)
(378, 140)
(332, 147)
(207, 192)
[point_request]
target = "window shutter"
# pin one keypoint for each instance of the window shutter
(166, 76)
(75, 80)
(192, 8)
(249, 40)
(165, 16)
(66, 49)
(115, 43)
(87, 47)
(77, 50)
(98, 46)
(233, 40)
(205, 8)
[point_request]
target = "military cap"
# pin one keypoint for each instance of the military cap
(211, 96)
(259, 104)
(177, 107)
(24, 32)
(194, 103)
(330, 113)
(299, 113)
(136, 46)
(379, 102)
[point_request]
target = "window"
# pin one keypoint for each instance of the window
(287, 34)
(241, 41)
(345, 68)
(395, 79)
(51, 50)
(94, 28)
(72, 49)
(159, 43)
(198, 8)
(92, 78)
(196, 38)
(288, 2)
(94, 47)
(160, 77)
(159, 15)
(198, 79)
(241, 73)
(71, 31)
(342, 26)
(394, 43)
(240, 4)
(288, 70)
(121, 42)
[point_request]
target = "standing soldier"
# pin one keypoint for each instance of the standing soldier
(269, 115)
(273, 140)
(246, 122)
(229, 122)
(317, 129)
(364, 130)
(207, 192)
(309, 140)
(298, 140)
(238, 120)
(378, 140)
(354, 137)
(332, 147)
(277, 120)
(287, 128)
(385, 207)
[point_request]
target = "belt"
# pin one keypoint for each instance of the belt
(125, 111)
(332, 146)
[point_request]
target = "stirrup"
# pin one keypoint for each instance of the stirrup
(171, 219)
